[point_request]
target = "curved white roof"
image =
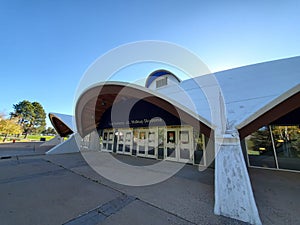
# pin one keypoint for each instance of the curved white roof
(66, 119)
(246, 90)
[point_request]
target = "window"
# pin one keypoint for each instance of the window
(287, 146)
(260, 148)
(275, 146)
(162, 82)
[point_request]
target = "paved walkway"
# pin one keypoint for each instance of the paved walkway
(22, 149)
(63, 189)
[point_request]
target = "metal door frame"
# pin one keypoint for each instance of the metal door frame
(107, 141)
(144, 141)
(171, 143)
(189, 145)
(152, 142)
(128, 141)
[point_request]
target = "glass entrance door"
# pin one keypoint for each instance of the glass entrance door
(124, 143)
(185, 145)
(142, 147)
(179, 144)
(120, 141)
(128, 141)
(108, 140)
(152, 142)
(171, 144)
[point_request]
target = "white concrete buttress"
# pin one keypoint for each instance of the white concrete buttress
(69, 146)
(94, 143)
(233, 192)
(54, 141)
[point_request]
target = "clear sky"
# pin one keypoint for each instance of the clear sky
(46, 45)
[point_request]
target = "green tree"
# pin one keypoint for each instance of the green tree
(49, 131)
(24, 112)
(40, 117)
(9, 126)
(261, 139)
(31, 116)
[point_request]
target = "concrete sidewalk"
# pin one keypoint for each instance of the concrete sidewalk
(22, 148)
(63, 189)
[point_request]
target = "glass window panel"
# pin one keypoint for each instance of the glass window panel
(127, 148)
(128, 137)
(171, 137)
(151, 150)
(142, 135)
(135, 140)
(171, 152)
(151, 137)
(161, 143)
(198, 147)
(260, 149)
(105, 136)
(287, 145)
(120, 149)
(111, 136)
(184, 137)
(184, 153)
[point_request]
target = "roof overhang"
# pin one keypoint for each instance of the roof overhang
(279, 107)
(61, 124)
(94, 101)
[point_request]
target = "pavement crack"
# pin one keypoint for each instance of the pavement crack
(102, 212)
(92, 219)
(30, 176)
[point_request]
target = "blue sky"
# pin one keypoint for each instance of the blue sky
(46, 46)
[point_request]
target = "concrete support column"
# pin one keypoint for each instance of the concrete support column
(69, 146)
(94, 141)
(233, 192)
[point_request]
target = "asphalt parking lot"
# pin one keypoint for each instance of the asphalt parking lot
(63, 189)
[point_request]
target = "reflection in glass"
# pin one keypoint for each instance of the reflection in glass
(171, 152)
(260, 149)
(111, 136)
(184, 153)
(121, 137)
(135, 140)
(128, 137)
(142, 139)
(127, 148)
(120, 149)
(142, 135)
(199, 145)
(287, 145)
(151, 137)
(151, 150)
(160, 154)
(184, 137)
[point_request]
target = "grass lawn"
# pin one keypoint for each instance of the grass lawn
(38, 137)
(22, 139)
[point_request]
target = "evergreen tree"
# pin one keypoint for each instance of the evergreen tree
(31, 116)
